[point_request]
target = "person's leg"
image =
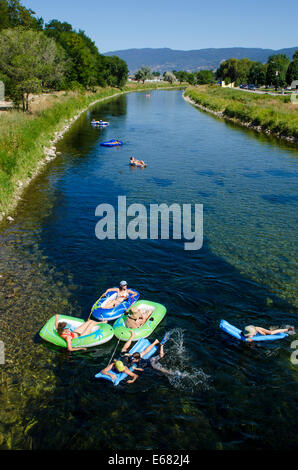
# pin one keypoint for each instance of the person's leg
(86, 328)
(149, 348)
(281, 330)
(108, 305)
(112, 304)
(262, 331)
(107, 370)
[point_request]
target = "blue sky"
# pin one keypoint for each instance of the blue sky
(184, 25)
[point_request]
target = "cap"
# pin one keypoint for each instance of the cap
(123, 283)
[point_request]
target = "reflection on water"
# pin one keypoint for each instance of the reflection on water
(223, 394)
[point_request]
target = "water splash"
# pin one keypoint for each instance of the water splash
(176, 365)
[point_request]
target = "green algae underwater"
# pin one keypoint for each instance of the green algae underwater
(228, 395)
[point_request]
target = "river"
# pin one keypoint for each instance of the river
(228, 395)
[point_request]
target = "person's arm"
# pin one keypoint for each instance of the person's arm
(69, 346)
(108, 290)
(161, 352)
(132, 293)
(133, 379)
(128, 343)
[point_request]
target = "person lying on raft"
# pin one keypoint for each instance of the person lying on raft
(127, 360)
(137, 316)
(254, 330)
(137, 358)
(123, 294)
(119, 366)
(122, 365)
(135, 162)
(66, 331)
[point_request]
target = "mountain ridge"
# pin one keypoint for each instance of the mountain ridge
(163, 59)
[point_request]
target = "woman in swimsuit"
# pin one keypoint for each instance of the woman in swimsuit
(122, 294)
(65, 331)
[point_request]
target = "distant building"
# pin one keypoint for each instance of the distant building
(294, 85)
(227, 85)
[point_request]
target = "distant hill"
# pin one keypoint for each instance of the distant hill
(160, 60)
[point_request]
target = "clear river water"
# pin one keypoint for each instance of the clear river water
(227, 395)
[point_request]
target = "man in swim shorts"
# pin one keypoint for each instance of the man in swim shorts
(119, 366)
(138, 358)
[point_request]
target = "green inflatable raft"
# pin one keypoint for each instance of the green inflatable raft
(158, 312)
(102, 333)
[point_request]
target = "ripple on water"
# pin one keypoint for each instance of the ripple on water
(51, 262)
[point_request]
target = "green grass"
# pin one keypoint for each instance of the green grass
(272, 113)
(23, 136)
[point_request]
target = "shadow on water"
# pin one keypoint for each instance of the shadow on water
(223, 394)
(222, 383)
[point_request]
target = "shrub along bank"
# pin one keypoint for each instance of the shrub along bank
(270, 114)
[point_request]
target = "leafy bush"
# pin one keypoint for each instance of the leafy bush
(273, 113)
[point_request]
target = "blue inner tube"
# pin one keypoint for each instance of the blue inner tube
(236, 333)
(138, 347)
(138, 166)
(100, 313)
(100, 123)
(111, 143)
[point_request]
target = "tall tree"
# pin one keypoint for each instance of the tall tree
(277, 68)
(84, 63)
(13, 14)
(115, 71)
(31, 61)
(204, 76)
(227, 70)
(180, 75)
(292, 72)
(234, 70)
(143, 74)
(87, 64)
(257, 74)
(169, 77)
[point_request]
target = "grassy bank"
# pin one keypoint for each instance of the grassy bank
(23, 137)
(270, 114)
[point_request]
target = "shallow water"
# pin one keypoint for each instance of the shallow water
(226, 395)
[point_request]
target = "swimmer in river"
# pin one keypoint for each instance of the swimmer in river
(138, 360)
